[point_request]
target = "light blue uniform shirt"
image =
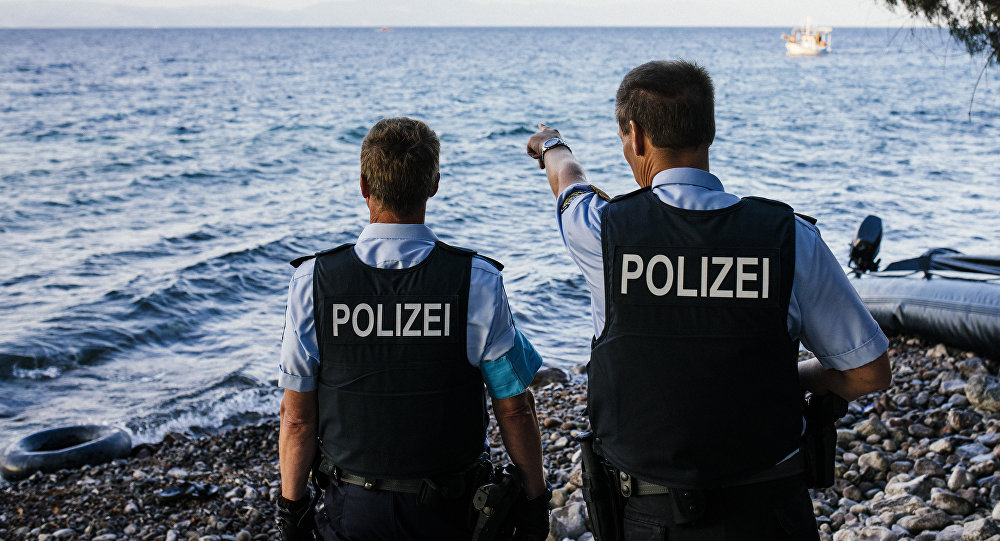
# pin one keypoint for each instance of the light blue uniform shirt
(824, 312)
(505, 358)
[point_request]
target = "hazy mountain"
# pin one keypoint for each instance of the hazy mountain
(91, 14)
(85, 14)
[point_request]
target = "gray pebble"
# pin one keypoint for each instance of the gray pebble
(980, 530)
(926, 466)
(934, 520)
(951, 503)
(960, 478)
(875, 460)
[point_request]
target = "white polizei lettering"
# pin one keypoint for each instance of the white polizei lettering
(658, 291)
(715, 291)
(407, 331)
(399, 319)
(447, 319)
(681, 290)
(766, 280)
(428, 319)
(363, 307)
(742, 277)
(630, 274)
(704, 277)
(379, 331)
(341, 315)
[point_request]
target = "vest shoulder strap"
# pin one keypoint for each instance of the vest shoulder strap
(633, 193)
(805, 217)
(771, 202)
(300, 260)
(470, 253)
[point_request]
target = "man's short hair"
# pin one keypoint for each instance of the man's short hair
(673, 102)
(399, 159)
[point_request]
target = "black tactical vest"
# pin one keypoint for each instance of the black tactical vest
(397, 395)
(693, 382)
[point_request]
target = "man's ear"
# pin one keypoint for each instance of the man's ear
(365, 191)
(437, 181)
(638, 138)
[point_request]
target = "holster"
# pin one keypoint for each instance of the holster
(819, 442)
(605, 503)
(493, 502)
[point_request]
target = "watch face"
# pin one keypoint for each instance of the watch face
(550, 142)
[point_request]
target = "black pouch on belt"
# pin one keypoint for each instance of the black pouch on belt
(819, 442)
(688, 505)
(605, 504)
(459, 487)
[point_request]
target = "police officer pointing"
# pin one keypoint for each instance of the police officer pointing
(700, 300)
(387, 346)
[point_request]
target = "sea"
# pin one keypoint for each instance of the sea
(154, 183)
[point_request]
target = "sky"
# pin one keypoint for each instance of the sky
(772, 13)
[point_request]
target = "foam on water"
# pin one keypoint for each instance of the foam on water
(154, 183)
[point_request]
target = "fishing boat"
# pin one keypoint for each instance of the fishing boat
(808, 40)
(943, 294)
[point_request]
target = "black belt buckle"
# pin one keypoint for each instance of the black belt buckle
(688, 505)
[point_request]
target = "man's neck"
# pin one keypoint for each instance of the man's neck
(383, 216)
(661, 159)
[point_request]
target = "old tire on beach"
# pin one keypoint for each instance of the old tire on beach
(64, 447)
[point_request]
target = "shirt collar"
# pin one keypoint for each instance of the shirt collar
(688, 176)
(398, 232)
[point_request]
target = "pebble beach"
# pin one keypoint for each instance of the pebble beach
(919, 461)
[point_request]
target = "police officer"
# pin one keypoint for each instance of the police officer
(387, 345)
(700, 299)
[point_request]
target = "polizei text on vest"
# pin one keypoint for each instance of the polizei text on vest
(704, 276)
(391, 319)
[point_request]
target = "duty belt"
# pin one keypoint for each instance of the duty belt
(633, 486)
(337, 476)
(410, 486)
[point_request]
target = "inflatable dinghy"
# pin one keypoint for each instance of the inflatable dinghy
(943, 295)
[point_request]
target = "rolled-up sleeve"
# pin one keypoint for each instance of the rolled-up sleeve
(299, 350)
(825, 311)
(505, 358)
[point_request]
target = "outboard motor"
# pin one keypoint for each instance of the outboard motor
(865, 246)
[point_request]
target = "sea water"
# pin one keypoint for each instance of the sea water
(154, 183)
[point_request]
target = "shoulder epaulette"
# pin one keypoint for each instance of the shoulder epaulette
(466, 251)
(630, 194)
(600, 193)
(300, 260)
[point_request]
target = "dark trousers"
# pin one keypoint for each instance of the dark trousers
(775, 510)
(352, 513)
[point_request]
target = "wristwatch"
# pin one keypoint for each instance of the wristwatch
(550, 144)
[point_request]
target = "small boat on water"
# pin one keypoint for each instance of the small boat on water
(943, 294)
(808, 40)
